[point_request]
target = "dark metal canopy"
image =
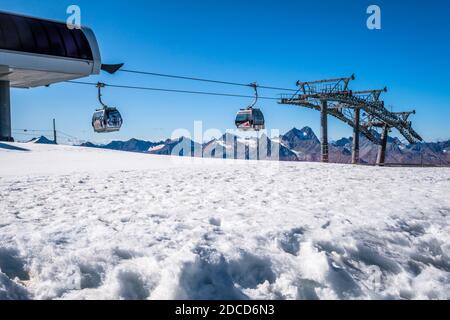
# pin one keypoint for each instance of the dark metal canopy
(31, 35)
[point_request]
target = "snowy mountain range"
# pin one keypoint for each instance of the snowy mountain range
(295, 145)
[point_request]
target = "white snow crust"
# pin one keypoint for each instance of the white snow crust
(79, 223)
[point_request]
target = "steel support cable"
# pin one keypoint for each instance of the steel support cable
(31, 130)
(68, 135)
(171, 90)
(203, 80)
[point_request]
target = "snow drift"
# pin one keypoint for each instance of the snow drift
(81, 223)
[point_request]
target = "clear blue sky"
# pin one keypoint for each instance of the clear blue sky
(273, 42)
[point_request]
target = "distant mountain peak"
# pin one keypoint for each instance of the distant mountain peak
(42, 140)
(306, 133)
(343, 142)
(307, 130)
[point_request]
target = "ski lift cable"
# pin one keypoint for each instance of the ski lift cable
(34, 132)
(31, 130)
(27, 134)
(170, 90)
(70, 137)
(204, 80)
(67, 135)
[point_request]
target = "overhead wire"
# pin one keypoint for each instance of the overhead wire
(31, 130)
(203, 80)
(170, 90)
(36, 132)
(67, 135)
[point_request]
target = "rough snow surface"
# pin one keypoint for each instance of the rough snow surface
(81, 223)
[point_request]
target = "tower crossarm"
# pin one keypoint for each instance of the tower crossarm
(391, 119)
(370, 95)
(318, 87)
(335, 113)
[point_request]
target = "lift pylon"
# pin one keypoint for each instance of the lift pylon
(333, 96)
(5, 112)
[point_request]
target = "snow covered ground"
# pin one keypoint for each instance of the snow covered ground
(81, 223)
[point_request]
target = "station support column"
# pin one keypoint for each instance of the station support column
(5, 112)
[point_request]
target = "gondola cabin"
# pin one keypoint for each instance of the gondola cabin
(250, 119)
(107, 120)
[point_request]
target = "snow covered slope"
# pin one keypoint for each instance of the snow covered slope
(79, 223)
